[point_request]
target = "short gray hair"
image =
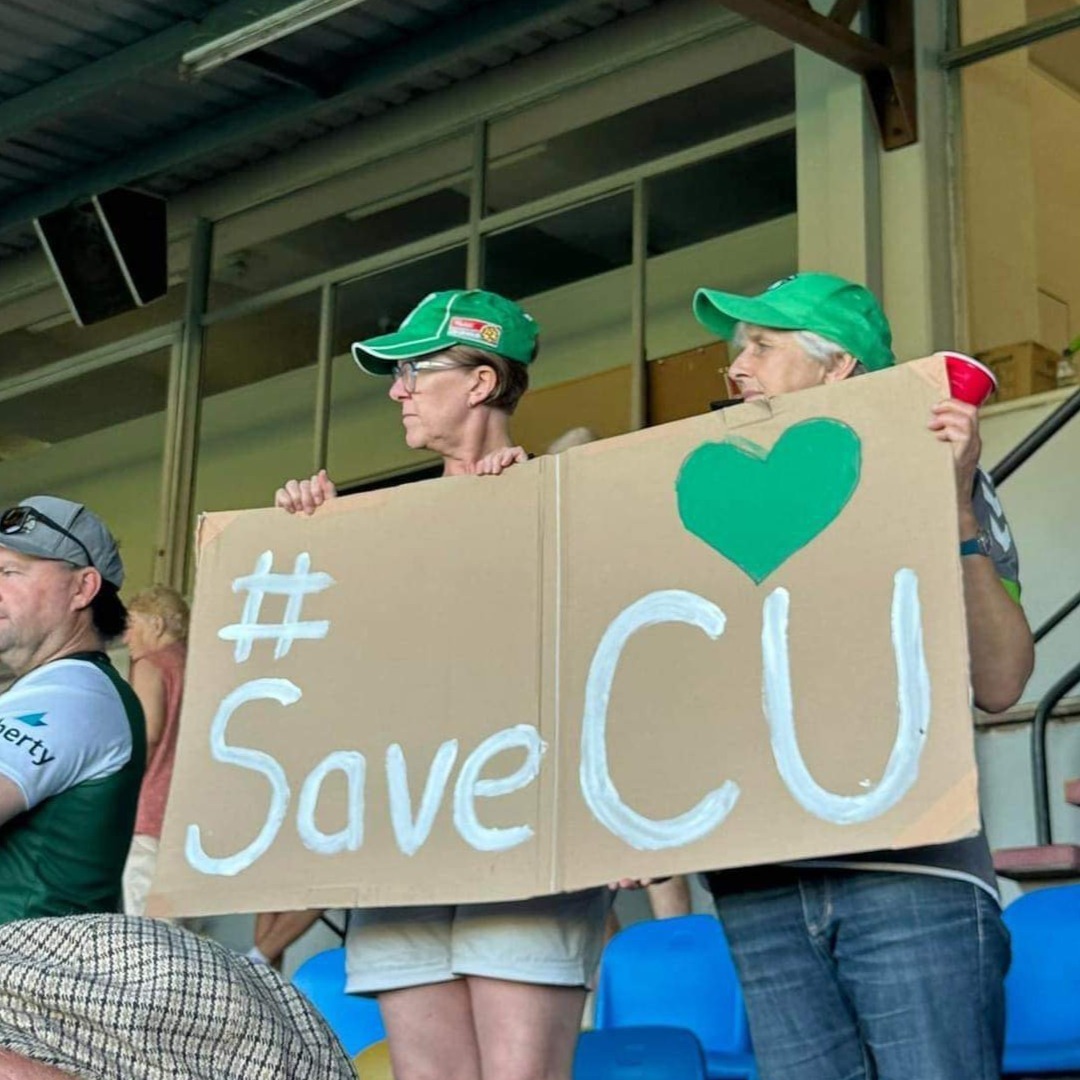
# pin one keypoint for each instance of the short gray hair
(814, 345)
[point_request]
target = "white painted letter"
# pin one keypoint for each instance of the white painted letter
(411, 834)
(913, 693)
(285, 693)
(470, 787)
(354, 766)
(645, 834)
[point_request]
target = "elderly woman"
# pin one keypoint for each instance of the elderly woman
(156, 638)
(468, 991)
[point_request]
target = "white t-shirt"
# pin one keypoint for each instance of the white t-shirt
(61, 724)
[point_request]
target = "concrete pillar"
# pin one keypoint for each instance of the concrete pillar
(997, 185)
(837, 167)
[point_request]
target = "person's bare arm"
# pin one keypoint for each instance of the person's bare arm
(1002, 651)
(149, 688)
(671, 898)
(12, 801)
(280, 932)
(16, 1067)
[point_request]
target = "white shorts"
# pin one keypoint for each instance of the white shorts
(548, 940)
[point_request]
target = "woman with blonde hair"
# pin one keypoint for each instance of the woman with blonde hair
(156, 638)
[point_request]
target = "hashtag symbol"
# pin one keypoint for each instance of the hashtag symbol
(300, 583)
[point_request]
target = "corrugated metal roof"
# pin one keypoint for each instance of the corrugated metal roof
(124, 107)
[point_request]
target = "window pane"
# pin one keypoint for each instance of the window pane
(1019, 183)
(571, 272)
(97, 439)
(560, 249)
(365, 425)
(59, 336)
(979, 19)
(420, 195)
(729, 103)
(753, 184)
(258, 404)
(728, 223)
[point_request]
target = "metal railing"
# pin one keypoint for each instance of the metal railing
(1016, 457)
(1036, 439)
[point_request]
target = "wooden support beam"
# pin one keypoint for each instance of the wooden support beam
(887, 66)
(843, 11)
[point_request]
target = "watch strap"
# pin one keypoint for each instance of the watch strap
(977, 545)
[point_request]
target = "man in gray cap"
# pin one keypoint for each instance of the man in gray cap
(72, 735)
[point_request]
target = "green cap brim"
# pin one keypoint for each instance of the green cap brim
(377, 356)
(721, 311)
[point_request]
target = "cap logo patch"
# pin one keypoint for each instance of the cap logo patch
(782, 281)
(475, 330)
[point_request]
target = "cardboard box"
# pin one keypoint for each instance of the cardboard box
(1021, 369)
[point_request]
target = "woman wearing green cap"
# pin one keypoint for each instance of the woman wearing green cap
(882, 964)
(469, 991)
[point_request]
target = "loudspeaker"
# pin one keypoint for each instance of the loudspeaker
(109, 254)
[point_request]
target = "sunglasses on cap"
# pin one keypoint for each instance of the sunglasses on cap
(23, 519)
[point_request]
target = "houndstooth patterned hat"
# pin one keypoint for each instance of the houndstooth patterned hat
(114, 997)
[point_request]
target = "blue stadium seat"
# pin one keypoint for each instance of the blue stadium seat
(1042, 990)
(679, 973)
(639, 1053)
(354, 1019)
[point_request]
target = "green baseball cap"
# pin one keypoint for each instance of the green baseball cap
(473, 317)
(825, 304)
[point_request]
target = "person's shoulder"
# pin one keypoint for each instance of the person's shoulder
(146, 671)
(83, 686)
(76, 672)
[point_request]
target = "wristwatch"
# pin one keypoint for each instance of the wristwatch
(979, 544)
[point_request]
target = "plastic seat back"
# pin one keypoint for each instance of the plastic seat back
(678, 973)
(639, 1053)
(1042, 989)
(355, 1020)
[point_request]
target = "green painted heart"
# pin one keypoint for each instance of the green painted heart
(757, 507)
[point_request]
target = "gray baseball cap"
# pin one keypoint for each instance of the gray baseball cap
(49, 527)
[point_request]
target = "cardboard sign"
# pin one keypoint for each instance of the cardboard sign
(732, 640)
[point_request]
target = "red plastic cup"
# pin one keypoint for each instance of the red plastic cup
(969, 380)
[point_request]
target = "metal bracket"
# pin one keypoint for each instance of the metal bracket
(885, 59)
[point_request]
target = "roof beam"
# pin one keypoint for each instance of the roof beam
(887, 66)
(163, 49)
(492, 25)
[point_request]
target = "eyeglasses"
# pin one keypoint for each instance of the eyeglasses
(22, 519)
(406, 370)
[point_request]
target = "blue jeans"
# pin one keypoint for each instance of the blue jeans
(866, 975)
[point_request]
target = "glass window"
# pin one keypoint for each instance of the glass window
(981, 19)
(572, 272)
(728, 222)
(752, 184)
(97, 439)
(408, 198)
(560, 249)
(58, 336)
(258, 404)
(739, 99)
(366, 439)
(1020, 196)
